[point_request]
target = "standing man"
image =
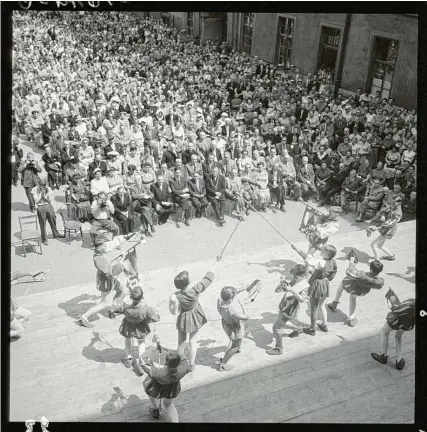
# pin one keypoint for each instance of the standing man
(30, 170)
(181, 193)
(275, 184)
(215, 192)
(42, 197)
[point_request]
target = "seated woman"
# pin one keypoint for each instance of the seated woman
(392, 160)
(250, 191)
(98, 184)
(132, 177)
(234, 192)
(263, 190)
(80, 196)
(114, 180)
(347, 159)
(320, 157)
(321, 177)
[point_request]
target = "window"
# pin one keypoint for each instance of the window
(328, 53)
(383, 64)
(248, 29)
(284, 41)
(190, 23)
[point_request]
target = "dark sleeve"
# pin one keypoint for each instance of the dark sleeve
(204, 283)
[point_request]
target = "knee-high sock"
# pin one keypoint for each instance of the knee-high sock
(352, 307)
(398, 336)
(385, 333)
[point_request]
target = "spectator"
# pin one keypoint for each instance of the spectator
(30, 170)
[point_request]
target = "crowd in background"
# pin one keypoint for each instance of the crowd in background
(134, 119)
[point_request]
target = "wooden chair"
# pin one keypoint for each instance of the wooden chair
(68, 212)
(28, 235)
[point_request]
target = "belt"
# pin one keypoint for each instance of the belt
(100, 220)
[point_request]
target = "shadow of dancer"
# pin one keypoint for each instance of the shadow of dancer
(281, 266)
(362, 257)
(108, 355)
(206, 354)
(409, 275)
(76, 306)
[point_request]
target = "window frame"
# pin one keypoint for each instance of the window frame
(279, 38)
(319, 45)
(192, 19)
(373, 61)
(242, 45)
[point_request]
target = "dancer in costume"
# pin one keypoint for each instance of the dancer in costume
(401, 319)
(164, 383)
(234, 316)
(325, 226)
(135, 324)
(191, 316)
(295, 293)
(389, 218)
(325, 269)
(107, 273)
(358, 283)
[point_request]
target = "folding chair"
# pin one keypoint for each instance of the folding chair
(28, 235)
(68, 212)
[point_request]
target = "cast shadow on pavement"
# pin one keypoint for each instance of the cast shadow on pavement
(107, 355)
(206, 356)
(362, 257)
(409, 275)
(20, 206)
(77, 306)
(282, 266)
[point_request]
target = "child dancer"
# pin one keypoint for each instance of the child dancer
(295, 293)
(191, 316)
(325, 269)
(358, 283)
(401, 318)
(387, 229)
(164, 383)
(234, 317)
(135, 324)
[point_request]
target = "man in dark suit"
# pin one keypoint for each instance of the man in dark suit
(181, 193)
(351, 189)
(215, 193)
(170, 156)
(333, 185)
(186, 154)
(306, 179)
(30, 169)
(121, 201)
(227, 128)
(233, 150)
(97, 163)
(55, 118)
(162, 201)
(114, 146)
(198, 193)
(67, 154)
(193, 167)
(276, 185)
(209, 165)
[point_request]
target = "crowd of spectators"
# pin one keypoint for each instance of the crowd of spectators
(136, 119)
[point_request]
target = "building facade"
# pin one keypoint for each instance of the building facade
(369, 51)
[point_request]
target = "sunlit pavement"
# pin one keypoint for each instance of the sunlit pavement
(64, 372)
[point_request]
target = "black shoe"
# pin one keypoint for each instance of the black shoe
(323, 328)
(155, 413)
(400, 364)
(45, 242)
(282, 208)
(247, 212)
(152, 229)
(187, 222)
(309, 331)
(32, 210)
(381, 358)
(147, 233)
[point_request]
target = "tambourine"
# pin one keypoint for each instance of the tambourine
(283, 285)
(392, 298)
